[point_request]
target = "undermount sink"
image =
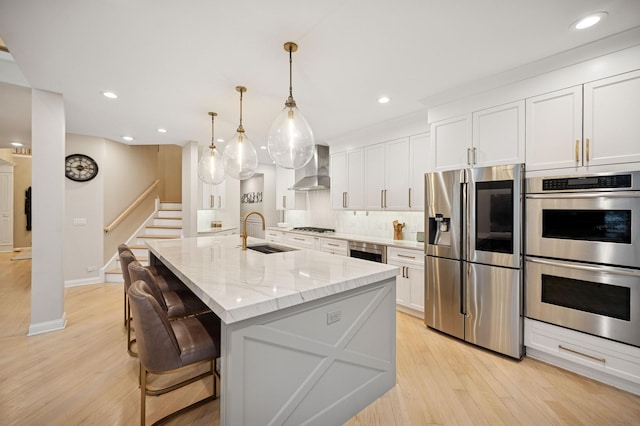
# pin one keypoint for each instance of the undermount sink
(269, 248)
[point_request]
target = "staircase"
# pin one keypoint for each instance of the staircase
(166, 224)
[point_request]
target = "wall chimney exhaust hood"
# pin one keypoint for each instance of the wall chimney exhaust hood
(315, 175)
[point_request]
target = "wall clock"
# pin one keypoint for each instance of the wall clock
(80, 167)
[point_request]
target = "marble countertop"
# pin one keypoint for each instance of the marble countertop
(239, 285)
(362, 238)
(217, 230)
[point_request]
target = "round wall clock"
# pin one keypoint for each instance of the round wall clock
(80, 167)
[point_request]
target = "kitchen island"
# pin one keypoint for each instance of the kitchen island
(307, 337)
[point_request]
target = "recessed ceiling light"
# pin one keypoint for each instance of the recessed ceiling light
(384, 99)
(127, 138)
(589, 21)
(162, 130)
(109, 95)
(220, 140)
(263, 147)
(16, 144)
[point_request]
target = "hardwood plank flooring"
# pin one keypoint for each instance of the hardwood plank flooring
(83, 374)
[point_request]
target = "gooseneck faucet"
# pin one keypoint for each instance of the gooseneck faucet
(243, 233)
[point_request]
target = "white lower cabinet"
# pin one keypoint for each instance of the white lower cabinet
(302, 241)
(410, 283)
(601, 359)
(274, 236)
(331, 245)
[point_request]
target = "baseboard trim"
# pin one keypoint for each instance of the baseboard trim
(47, 326)
(84, 281)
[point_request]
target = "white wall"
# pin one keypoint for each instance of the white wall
(84, 215)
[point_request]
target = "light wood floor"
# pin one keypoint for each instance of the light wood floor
(83, 374)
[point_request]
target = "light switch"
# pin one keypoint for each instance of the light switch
(79, 221)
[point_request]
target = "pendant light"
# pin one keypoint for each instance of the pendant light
(239, 156)
(210, 166)
(291, 143)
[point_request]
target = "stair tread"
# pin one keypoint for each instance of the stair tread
(169, 210)
(168, 237)
(139, 247)
(170, 202)
(113, 271)
(164, 226)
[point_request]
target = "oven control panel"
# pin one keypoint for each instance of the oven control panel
(617, 181)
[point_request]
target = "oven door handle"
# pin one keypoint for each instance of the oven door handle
(564, 196)
(589, 268)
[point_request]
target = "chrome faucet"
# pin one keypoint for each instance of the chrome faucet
(243, 233)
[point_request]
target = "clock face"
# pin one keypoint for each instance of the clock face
(80, 167)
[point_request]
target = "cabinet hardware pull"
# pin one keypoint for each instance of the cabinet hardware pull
(219, 201)
(298, 239)
(587, 149)
(407, 273)
(577, 145)
(469, 156)
(409, 197)
(211, 199)
(344, 200)
(385, 198)
(475, 160)
(595, 358)
(284, 201)
(407, 257)
(381, 196)
(333, 245)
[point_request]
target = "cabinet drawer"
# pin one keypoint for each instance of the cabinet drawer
(275, 236)
(406, 256)
(331, 245)
(302, 241)
(593, 356)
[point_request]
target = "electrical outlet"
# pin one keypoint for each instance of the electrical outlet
(92, 268)
(333, 316)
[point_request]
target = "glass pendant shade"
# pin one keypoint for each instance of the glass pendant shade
(211, 167)
(240, 157)
(291, 142)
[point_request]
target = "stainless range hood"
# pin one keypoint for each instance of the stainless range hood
(315, 175)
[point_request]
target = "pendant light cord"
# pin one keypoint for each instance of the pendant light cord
(240, 128)
(213, 145)
(290, 73)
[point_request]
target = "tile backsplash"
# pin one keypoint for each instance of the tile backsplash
(366, 223)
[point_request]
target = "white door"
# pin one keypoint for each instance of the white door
(6, 208)
(612, 120)
(450, 143)
(554, 130)
(498, 135)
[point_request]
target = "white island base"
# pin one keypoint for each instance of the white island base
(317, 363)
(307, 337)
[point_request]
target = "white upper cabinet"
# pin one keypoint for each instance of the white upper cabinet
(347, 180)
(451, 141)
(387, 175)
(559, 137)
(554, 130)
(419, 164)
(612, 120)
(214, 196)
(287, 199)
(498, 135)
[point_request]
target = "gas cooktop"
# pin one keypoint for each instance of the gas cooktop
(314, 229)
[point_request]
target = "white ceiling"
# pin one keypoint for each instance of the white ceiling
(171, 62)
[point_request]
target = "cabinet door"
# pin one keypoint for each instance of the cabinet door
(554, 130)
(419, 164)
(403, 286)
(338, 167)
(451, 140)
(374, 172)
(396, 174)
(498, 135)
(355, 179)
(287, 199)
(207, 196)
(612, 120)
(219, 195)
(416, 283)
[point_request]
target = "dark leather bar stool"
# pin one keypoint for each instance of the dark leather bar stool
(176, 303)
(168, 346)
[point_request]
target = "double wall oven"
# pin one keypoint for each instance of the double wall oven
(583, 253)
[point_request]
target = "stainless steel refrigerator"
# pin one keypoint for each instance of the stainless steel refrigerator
(473, 256)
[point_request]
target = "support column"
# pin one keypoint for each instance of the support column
(48, 148)
(190, 189)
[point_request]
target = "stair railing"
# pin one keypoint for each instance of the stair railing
(131, 208)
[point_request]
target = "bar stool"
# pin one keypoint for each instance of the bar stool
(168, 346)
